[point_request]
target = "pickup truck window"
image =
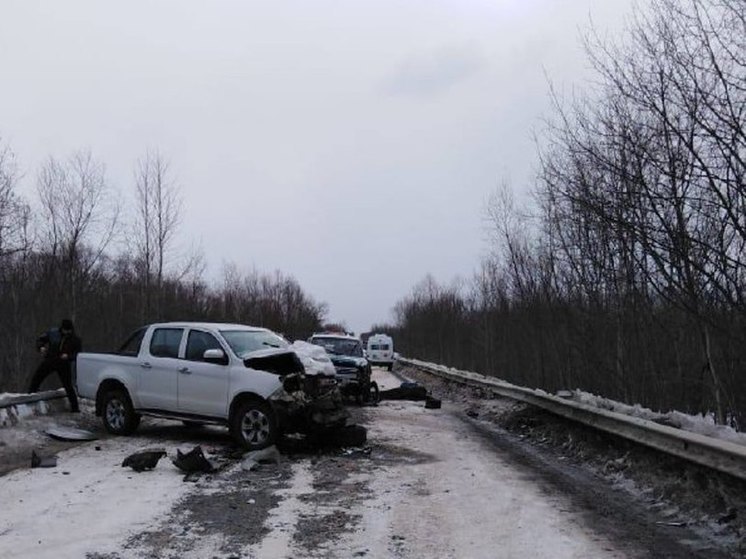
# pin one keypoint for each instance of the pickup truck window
(165, 342)
(132, 346)
(199, 342)
(246, 341)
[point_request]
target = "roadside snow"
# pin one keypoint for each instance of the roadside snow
(700, 424)
(87, 503)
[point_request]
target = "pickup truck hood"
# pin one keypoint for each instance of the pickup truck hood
(300, 357)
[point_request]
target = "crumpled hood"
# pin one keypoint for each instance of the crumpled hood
(277, 361)
(315, 359)
(265, 352)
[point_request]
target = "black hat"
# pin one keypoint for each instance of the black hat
(66, 324)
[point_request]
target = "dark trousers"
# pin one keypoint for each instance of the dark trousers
(63, 369)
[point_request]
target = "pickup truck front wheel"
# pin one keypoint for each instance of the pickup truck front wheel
(254, 425)
(118, 414)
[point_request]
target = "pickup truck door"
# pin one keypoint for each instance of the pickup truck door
(159, 365)
(203, 386)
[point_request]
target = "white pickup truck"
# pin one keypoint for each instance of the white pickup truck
(244, 377)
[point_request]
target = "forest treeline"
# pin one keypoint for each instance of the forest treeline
(626, 274)
(73, 249)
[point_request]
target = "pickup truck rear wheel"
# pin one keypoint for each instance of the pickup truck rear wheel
(118, 415)
(254, 425)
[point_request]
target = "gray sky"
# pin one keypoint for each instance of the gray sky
(350, 144)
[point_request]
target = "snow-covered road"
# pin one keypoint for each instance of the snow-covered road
(430, 487)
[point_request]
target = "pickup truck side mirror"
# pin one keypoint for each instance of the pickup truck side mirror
(216, 356)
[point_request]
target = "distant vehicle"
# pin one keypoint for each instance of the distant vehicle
(353, 369)
(244, 377)
(381, 350)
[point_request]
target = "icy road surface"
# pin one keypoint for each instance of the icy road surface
(430, 487)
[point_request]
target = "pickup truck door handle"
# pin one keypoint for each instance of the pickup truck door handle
(146, 365)
(185, 371)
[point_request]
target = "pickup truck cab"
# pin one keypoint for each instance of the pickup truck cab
(241, 376)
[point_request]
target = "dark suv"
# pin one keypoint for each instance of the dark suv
(353, 369)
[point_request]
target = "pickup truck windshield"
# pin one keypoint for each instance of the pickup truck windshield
(246, 341)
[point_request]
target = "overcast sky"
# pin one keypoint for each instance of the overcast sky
(350, 144)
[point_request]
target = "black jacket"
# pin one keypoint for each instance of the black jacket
(58, 343)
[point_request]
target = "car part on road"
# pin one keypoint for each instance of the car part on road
(43, 461)
(70, 434)
(118, 415)
(144, 460)
(432, 403)
(193, 461)
(407, 391)
(374, 394)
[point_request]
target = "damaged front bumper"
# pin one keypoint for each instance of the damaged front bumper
(303, 403)
(306, 404)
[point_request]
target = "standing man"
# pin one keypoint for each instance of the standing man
(58, 346)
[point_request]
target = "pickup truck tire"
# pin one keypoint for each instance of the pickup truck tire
(118, 415)
(254, 425)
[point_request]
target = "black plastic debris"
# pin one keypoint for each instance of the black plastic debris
(432, 403)
(407, 391)
(193, 461)
(144, 460)
(43, 461)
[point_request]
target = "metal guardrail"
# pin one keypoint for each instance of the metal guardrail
(20, 399)
(16, 407)
(716, 454)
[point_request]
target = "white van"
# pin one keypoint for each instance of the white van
(381, 350)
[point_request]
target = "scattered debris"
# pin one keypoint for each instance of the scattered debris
(729, 517)
(70, 434)
(144, 460)
(432, 403)
(193, 461)
(254, 458)
(356, 452)
(406, 391)
(43, 461)
(472, 413)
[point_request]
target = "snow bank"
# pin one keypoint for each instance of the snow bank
(88, 503)
(699, 424)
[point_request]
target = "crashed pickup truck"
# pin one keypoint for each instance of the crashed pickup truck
(247, 378)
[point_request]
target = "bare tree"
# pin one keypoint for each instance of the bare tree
(79, 215)
(157, 216)
(14, 213)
